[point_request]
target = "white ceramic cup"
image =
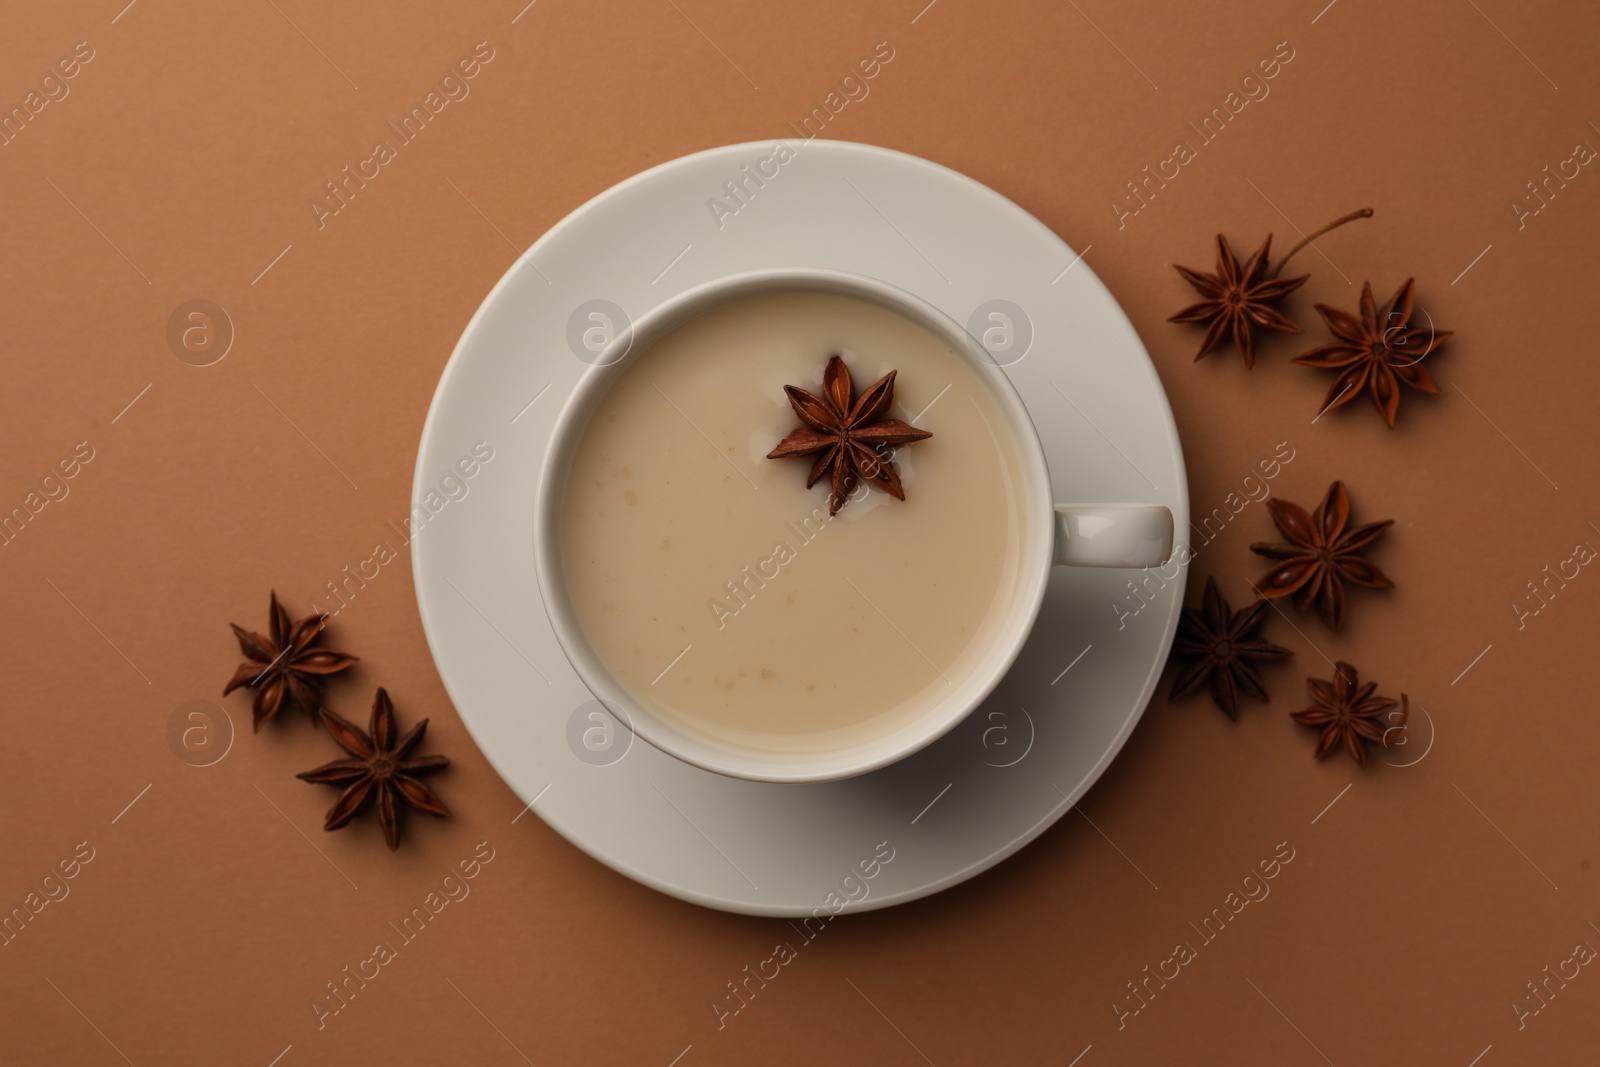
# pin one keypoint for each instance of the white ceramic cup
(1082, 535)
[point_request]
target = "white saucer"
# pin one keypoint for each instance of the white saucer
(985, 789)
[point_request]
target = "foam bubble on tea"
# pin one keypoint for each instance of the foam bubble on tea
(805, 632)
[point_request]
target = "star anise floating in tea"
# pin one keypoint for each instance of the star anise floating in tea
(1377, 352)
(849, 432)
(1351, 714)
(380, 770)
(1240, 299)
(1223, 648)
(1321, 555)
(286, 669)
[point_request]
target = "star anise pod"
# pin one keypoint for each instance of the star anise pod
(380, 768)
(1224, 647)
(1321, 555)
(1240, 299)
(286, 668)
(1349, 713)
(1378, 351)
(848, 431)
(1237, 299)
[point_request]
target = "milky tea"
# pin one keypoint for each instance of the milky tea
(716, 588)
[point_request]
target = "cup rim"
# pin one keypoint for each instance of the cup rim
(1034, 569)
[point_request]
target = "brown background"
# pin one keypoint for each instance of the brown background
(183, 160)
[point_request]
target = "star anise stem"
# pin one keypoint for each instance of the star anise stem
(1364, 213)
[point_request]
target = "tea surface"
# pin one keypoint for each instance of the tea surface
(716, 587)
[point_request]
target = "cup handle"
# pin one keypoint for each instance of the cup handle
(1112, 535)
